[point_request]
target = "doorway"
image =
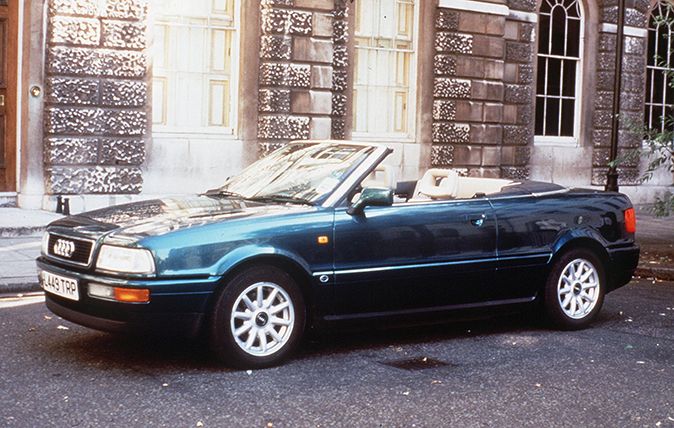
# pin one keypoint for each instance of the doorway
(8, 113)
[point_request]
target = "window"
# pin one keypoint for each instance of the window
(659, 93)
(194, 85)
(383, 96)
(558, 80)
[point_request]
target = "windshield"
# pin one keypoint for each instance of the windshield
(304, 173)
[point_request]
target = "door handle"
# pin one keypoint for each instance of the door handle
(478, 221)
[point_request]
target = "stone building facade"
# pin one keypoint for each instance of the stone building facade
(128, 99)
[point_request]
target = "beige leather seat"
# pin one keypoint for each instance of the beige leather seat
(437, 184)
(467, 187)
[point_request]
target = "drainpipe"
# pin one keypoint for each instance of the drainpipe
(612, 175)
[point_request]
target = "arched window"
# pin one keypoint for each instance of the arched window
(558, 81)
(659, 93)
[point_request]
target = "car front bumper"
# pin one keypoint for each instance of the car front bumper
(176, 306)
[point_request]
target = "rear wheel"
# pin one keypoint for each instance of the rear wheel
(574, 291)
(258, 318)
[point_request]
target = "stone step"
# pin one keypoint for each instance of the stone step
(7, 199)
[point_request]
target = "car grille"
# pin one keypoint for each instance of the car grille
(73, 250)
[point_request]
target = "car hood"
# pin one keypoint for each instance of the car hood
(135, 221)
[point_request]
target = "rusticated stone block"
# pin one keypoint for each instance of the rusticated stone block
(339, 80)
(493, 112)
(71, 151)
(124, 34)
(321, 77)
(316, 4)
(517, 94)
(74, 7)
(338, 129)
(601, 137)
(95, 121)
(126, 9)
(469, 111)
(627, 138)
(313, 50)
(451, 88)
(444, 65)
(515, 173)
(633, 64)
(454, 43)
(602, 119)
(283, 127)
(633, 82)
(515, 155)
(75, 30)
(525, 114)
(276, 2)
(493, 69)
(606, 60)
(339, 104)
(486, 134)
(293, 75)
(447, 19)
(470, 66)
(320, 128)
(285, 21)
(527, 31)
(518, 52)
(340, 57)
(274, 100)
(525, 73)
(130, 93)
(626, 176)
(315, 102)
(442, 155)
(481, 23)
(122, 152)
(276, 47)
(444, 110)
(66, 90)
(631, 101)
(634, 45)
(491, 156)
(525, 5)
(518, 134)
(607, 42)
(451, 132)
(74, 180)
(340, 32)
(605, 80)
(91, 62)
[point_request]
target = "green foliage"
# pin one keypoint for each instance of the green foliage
(664, 206)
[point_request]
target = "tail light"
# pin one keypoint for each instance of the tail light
(630, 221)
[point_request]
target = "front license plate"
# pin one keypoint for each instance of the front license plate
(60, 285)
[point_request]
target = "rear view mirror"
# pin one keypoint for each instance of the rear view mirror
(371, 197)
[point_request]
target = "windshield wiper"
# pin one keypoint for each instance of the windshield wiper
(281, 198)
(225, 193)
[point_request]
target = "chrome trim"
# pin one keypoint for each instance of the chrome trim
(377, 156)
(68, 261)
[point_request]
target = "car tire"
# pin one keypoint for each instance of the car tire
(258, 318)
(574, 290)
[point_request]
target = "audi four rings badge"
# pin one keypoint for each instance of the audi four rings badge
(64, 248)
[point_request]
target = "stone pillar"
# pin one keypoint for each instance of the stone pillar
(95, 96)
(632, 89)
(297, 53)
(468, 91)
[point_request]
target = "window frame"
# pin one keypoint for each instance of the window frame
(565, 141)
(409, 136)
(207, 131)
(652, 68)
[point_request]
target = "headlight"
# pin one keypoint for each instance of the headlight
(45, 243)
(126, 260)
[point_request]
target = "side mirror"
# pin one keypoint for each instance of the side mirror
(371, 197)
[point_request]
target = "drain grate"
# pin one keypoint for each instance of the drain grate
(416, 363)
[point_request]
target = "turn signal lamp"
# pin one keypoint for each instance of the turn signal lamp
(119, 294)
(630, 221)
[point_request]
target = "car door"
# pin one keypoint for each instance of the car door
(413, 256)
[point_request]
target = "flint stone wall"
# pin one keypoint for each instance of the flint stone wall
(96, 96)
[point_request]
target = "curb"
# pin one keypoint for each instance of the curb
(15, 232)
(661, 273)
(22, 285)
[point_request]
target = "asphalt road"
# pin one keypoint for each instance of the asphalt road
(498, 372)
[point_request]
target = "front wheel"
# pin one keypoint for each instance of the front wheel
(574, 290)
(258, 318)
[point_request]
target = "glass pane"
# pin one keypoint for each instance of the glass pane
(652, 37)
(554, 76)
(545, 6)
(558, 30)
(540, 110)
(569, 87)
(573, 38)
(540, 75)
(568, 119)
(552, 117)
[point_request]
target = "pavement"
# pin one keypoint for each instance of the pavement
(21, 232)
